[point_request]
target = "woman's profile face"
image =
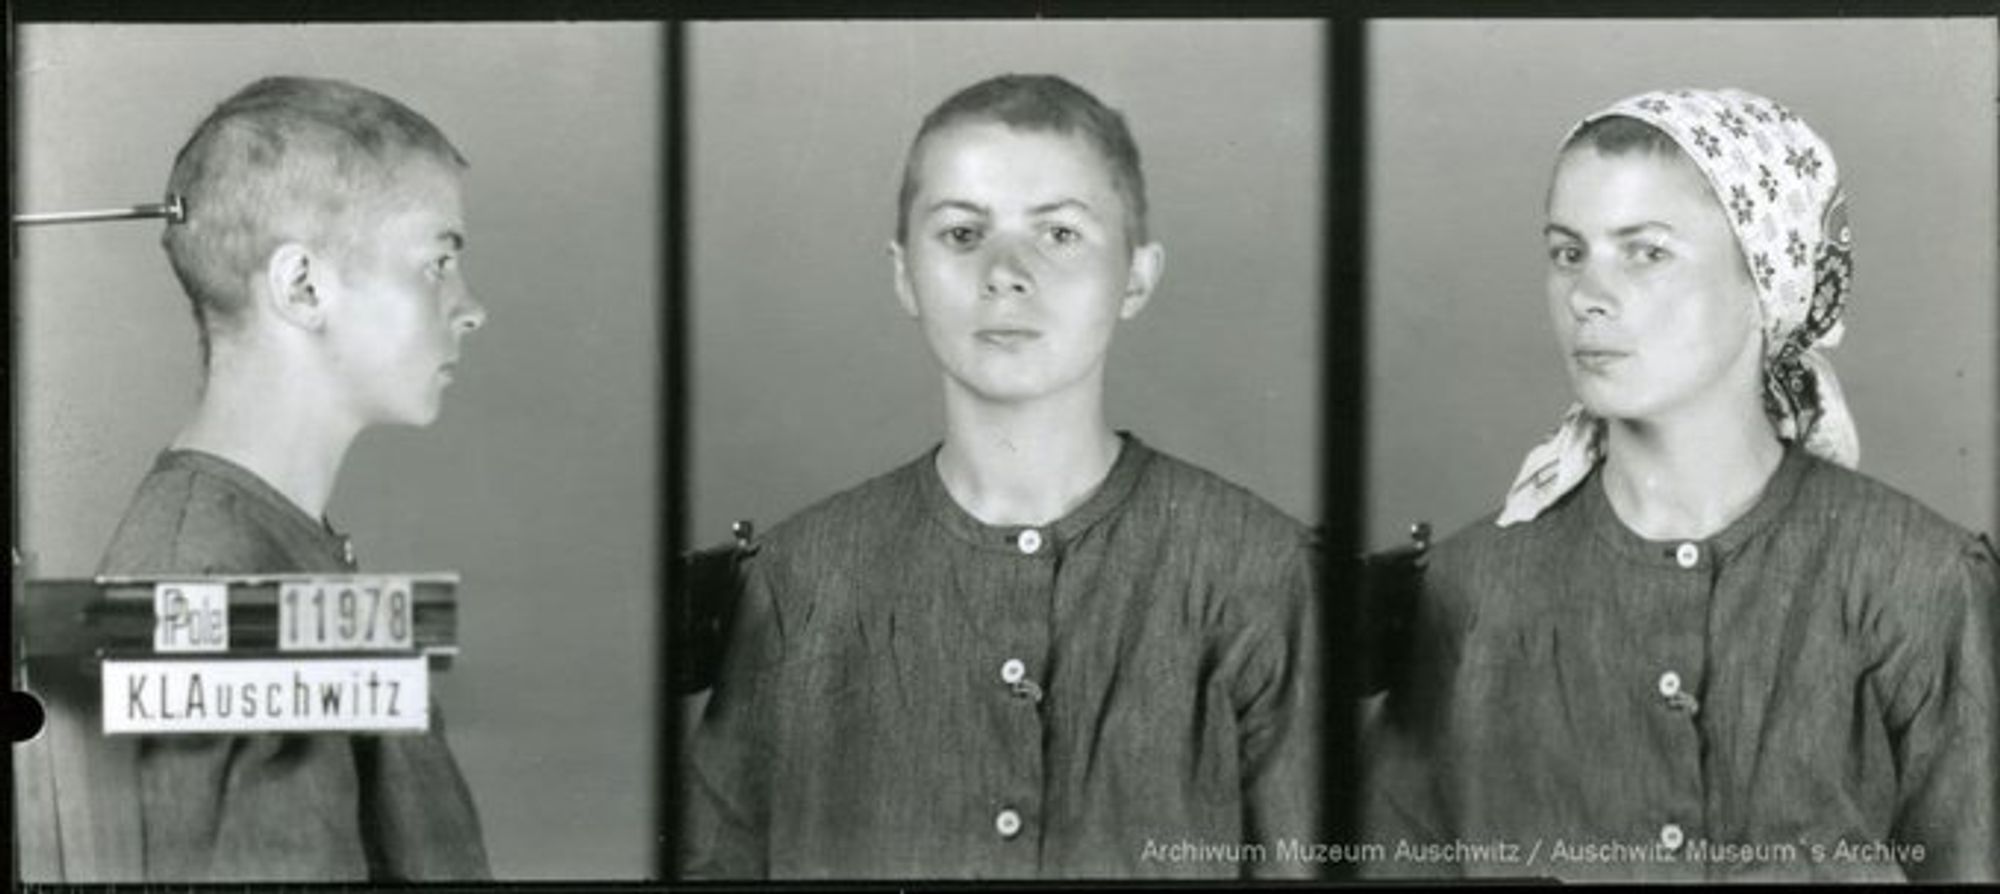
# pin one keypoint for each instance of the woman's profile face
(1652, 304)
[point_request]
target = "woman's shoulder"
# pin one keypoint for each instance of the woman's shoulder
(186, 517)
(1485, 550)
(842, 521)
(1849, 506)
(1915, 579)
(1907, 558)
(1485, 564)
(1207, 498)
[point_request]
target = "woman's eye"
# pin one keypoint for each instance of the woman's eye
(1565, 256)
(1065, 235)
(960, 235)
(1650, 254)
(443, 266)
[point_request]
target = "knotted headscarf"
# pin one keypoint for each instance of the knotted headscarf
(1780, 189)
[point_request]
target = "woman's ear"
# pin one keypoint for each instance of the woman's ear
(292, 278)
(1148, 261)
(906, 295)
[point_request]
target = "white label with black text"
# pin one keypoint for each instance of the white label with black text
(353, 614)
(259, 695)
(192, 617)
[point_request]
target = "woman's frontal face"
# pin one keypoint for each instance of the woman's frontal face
(1652, 306)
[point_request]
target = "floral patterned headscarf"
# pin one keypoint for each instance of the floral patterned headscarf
(1780, 189)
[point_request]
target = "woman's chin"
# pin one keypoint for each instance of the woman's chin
(1610, 404)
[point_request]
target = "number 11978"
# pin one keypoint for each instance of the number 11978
(353, 614)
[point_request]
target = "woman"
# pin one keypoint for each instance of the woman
(1694, 644)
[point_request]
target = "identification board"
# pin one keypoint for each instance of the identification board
(266, 695)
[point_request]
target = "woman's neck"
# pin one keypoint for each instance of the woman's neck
(1688, 478)
(1027, 463)
(256, 412)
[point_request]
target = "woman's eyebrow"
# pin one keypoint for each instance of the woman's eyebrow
(1061, 205)
(1556, 229)
(955, 205)
(1641, 227)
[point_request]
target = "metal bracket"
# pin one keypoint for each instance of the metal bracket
(173, 209)
(711, 587)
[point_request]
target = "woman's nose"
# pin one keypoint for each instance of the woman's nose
(1008, 275)
(469, 314)
(1590, 294)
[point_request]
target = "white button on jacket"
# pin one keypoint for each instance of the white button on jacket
(1007, 823)
(1670, 684)
(1013, 671)
(1029, 542)
(1689, 555)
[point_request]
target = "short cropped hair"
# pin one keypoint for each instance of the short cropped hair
(1038, 103)
(1616, 135)
(1623, 135)
(286, 159)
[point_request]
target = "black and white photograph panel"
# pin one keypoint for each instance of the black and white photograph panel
(1683, 338)
(336, 450)
(1005, 337)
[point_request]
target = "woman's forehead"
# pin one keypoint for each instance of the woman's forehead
(1593, 187)
(994, 155)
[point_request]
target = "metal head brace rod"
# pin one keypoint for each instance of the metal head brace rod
(173, 209)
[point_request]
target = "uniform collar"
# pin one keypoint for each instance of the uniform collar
(1602, 520)
(319, 531)
(1046, 540)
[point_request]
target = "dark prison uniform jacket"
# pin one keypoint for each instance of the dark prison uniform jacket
(914, 693)
(266, 807)
(1808, 694)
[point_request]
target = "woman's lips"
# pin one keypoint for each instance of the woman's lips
(1597, 359)
(1006, 338)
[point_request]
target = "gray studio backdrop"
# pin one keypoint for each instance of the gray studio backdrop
(1465, 117)
(806, 376)
(538, 483)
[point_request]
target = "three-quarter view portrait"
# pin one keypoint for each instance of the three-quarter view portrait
(695, 452)
(1695, 640)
